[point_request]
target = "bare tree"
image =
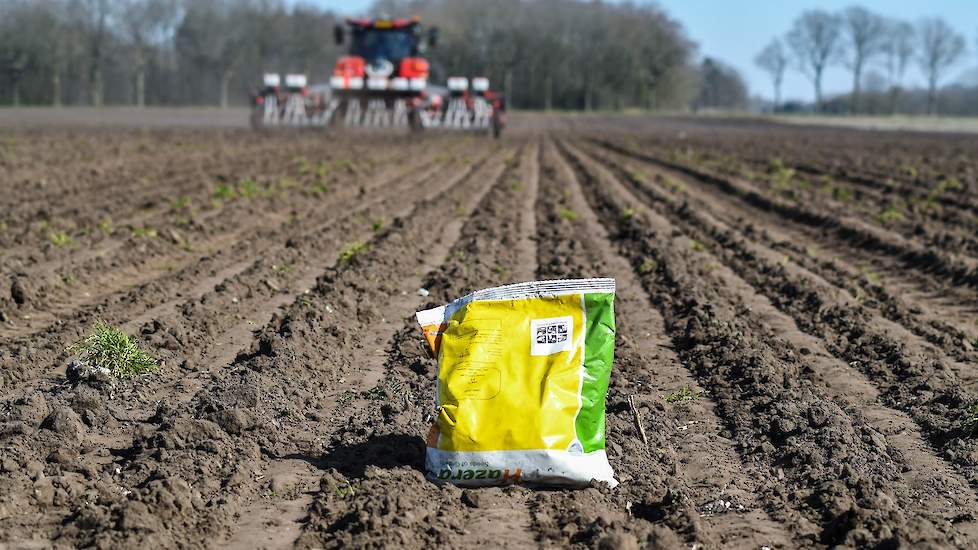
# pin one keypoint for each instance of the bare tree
(146, 23)
(864, 34)
(774, 59)
(898, 48)
(814, 39)
(940, 47)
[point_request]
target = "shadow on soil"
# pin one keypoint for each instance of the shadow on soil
(384, 451)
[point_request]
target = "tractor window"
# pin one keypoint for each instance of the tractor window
(392, 45)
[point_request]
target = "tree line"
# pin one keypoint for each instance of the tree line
(546, 54)
(857, 39)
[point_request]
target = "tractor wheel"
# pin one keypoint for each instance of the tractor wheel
(414, 121)
(497, 125)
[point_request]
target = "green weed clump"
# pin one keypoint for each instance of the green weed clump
(112, 349)
(567, 214)
(60, 239)
(224, 193)
(943, 187)
(144, 233)
(105, 226)
(683, 395)
(893, 213)
(842, 193)
(627, 214)
(647, 266)
(248, 189)
(352, 250)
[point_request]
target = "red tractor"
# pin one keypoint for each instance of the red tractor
(383, 81)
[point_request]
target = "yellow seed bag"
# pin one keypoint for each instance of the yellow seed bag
(523, 371)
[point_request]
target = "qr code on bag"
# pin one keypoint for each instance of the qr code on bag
(551, 335)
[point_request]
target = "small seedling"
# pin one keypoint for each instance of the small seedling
(282, 269)
(144, 233)
(112, 349)
(105, 226)
(841, 193)
(352, 250)
(683, 395)
(224, 193)
(627, 214)
(181, 203)
(516, 185)
(567, 214)
(377, 225)
(304, 166)
(345, 491)
(287, 183)
(60, 239)
(674, 185)
(811, 252)
(891, 215)
(942, 187)
(647, 266)
(322, 169)
(69, 279)
(248, 188)
(873, 278)
(697, 246)
(501, 271)
(319, 189)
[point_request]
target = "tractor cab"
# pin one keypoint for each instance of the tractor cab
(384, 57)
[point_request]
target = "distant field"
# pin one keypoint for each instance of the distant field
(151, 117)
(899, 123)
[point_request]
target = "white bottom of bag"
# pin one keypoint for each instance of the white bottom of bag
(486, 468)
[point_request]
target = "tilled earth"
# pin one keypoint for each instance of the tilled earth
(815, 290)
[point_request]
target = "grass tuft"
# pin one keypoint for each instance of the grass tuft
(647, 266)
(352, 250)
(683, 395)
(112, 349)
(144, 233)
(60, 239)
(567, 214)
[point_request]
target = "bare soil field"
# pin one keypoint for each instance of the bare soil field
(796, 315)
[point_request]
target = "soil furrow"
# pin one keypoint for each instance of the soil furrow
(943, 317)
(792, 426)
(485, 253)
(871, 344)
(52, 296)
(173, 284)
(690, 469)
(851, 231)
(216, 440)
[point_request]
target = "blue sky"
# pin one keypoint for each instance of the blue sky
(735, 31)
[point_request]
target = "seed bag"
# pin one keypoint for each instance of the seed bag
(523, 372)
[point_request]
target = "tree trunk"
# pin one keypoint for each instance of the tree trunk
(548, 93)
(140, 77)
(225, 84)
(141, 86)
(97, 86)
(818, 90)
(932, 97)
(56, 87)
(856, 88)
(508, 85)
(16, 92)
(777, 94)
